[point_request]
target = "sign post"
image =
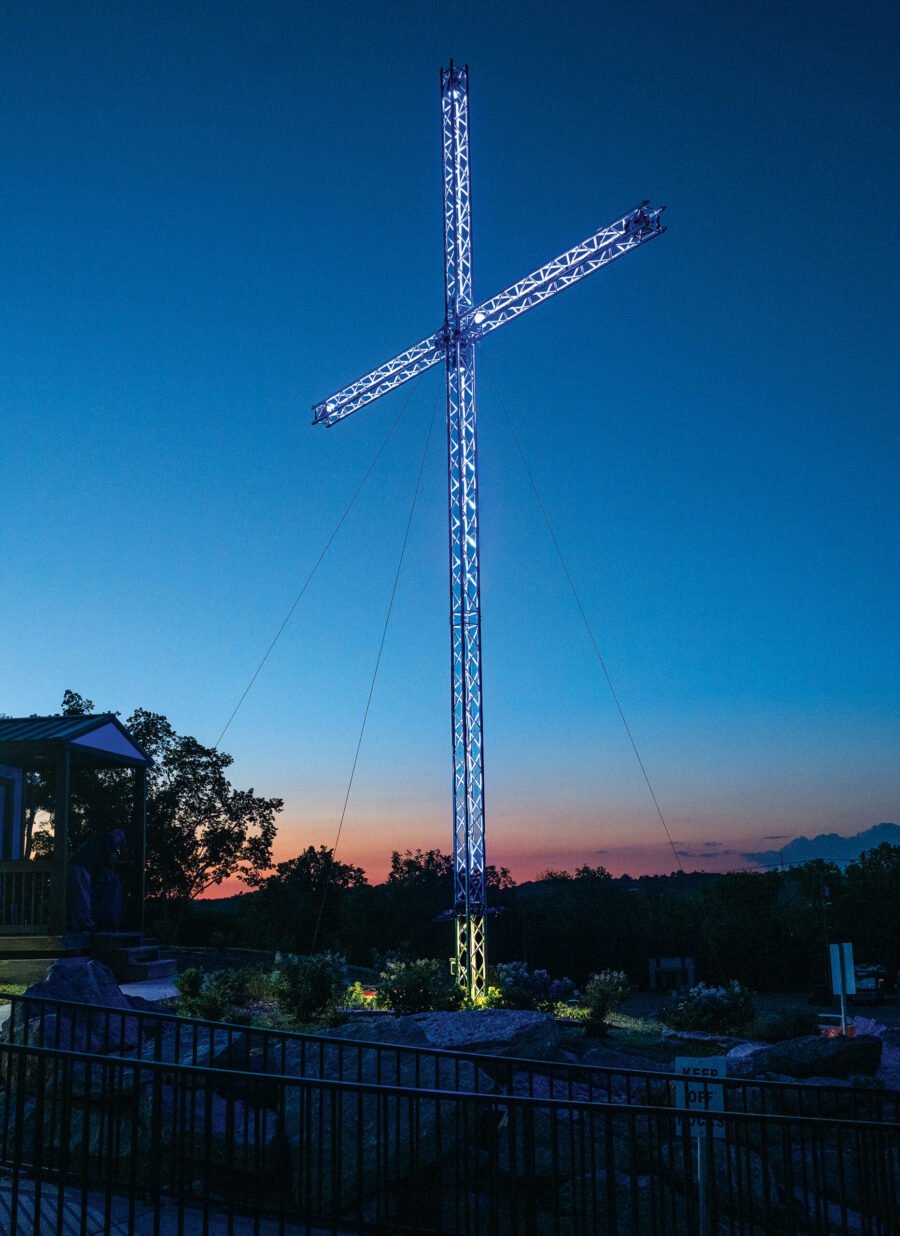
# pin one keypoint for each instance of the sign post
(843, 977)
(701, 1091)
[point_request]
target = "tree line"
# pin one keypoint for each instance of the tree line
(769, 929)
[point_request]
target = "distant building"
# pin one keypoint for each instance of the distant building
(672, 973)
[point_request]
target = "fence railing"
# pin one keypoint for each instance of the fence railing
(162, 1147)
(24, 895)
(158, 1036)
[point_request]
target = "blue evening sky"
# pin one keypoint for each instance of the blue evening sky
(214, 214)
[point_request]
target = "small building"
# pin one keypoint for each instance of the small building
(34, 917)
(672, 973)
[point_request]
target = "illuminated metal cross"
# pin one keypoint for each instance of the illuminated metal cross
(454, 346)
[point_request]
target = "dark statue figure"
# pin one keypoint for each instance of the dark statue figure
(95, 894)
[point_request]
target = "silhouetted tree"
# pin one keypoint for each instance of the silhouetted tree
(866, 906)
(201, 831)
(303, 895)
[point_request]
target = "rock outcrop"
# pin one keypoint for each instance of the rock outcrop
(92, 987)
(493, 1032)
(810, 1056)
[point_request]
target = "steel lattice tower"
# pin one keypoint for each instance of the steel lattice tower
(454, 345)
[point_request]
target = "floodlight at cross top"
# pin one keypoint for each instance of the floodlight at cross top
(453, 345)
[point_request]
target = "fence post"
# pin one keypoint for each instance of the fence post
(702, 1215)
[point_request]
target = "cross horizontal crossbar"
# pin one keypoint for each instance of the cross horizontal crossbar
(598, 250)
(465, 323)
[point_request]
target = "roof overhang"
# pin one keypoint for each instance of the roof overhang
(100, 741)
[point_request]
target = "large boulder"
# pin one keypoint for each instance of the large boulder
(92, 987)
(374, 1139)
(620, 1061)
(810, 1056)
(889, 1070)
(746, 1184)
(202, 1128)
(494, 1032)
(83, 980)
(183, 1041)
(603, 1201)
(250, 1052)
(678, 1040)
(47, 1134)
(543, 1147)
(739, 1061)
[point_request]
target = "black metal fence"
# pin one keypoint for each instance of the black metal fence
(156, 1146)
(151, 1035)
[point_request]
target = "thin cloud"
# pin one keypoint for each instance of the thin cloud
(831, 847)
(718, 853)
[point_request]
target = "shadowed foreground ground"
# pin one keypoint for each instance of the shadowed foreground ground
(88, 1217)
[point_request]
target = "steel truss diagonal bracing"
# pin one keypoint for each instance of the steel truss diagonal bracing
(454, 345)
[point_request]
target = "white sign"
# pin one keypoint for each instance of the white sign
(701, 1091)
(843, 975)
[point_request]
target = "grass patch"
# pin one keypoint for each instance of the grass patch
(639, 1036)
(642, 1036)
(647, 1026)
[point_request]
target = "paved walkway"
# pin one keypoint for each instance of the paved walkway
(32, 1213)
(151, 989)
(88, 1217)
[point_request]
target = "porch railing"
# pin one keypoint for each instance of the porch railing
(24, 896)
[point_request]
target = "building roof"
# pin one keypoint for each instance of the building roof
(96, 738)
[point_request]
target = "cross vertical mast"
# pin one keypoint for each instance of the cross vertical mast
(465, 601)
(454, 344)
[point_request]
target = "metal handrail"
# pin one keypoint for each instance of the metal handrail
(104, 1061)
(507, 1072)
(185, 1145)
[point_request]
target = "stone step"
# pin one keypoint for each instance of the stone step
(115, 939)
(130, 957)
(140, 971)
(144, 952)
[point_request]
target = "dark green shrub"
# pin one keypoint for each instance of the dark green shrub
(218, 996)
(792, 1023)
(189, 983)
(307, 987)
(419, 986)
(516, 988)
(238, 1017)
(521, 988)
(258, 986)
(718, 1010)
(197, 998)
(603, 994)
(230, 985)
(355, 997)
(562, 990)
